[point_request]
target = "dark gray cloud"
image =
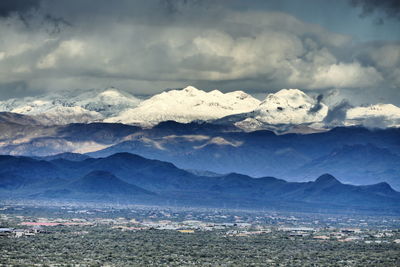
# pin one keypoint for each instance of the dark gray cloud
(15, 90)
(58, 23)
(23, 9)
(178, 6)
(318, 105)
(19, 7)
(337, 114)
(28, 12)
(379, 122)
(381, 8)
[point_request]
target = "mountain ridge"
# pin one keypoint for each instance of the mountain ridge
(141, 177)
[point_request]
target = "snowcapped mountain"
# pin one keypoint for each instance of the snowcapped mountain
(72, 107)
(186, 105)
(290, 106)
(285, 107)
(109, 102)
(280, 112)
(378, 116)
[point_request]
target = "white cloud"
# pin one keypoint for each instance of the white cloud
(66, 50)
(344, 75)
(387, 56)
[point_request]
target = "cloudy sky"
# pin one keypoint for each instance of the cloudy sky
(346, 48)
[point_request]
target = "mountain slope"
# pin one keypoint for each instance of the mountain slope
(15, 118)
(11, 181)
(360, 164)
(102, 182)
(44, 140)
(67, 155)
(96, 186)
(327, 189)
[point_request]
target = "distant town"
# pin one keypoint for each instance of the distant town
(229, 222)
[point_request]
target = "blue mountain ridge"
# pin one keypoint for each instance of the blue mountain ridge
(135, 179)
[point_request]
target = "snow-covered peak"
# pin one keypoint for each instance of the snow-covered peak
(287, 98)
(111, 93)
(109, 102)
(72, 106)
(290, 106)
(290, 93)
(187, 105)
(187, 92)
(191, 90)
(115, 95)
(240, 95)
(378, 110)
(379, 115)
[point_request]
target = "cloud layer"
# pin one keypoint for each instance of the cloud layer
(149, 46)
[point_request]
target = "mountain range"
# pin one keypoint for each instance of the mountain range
(195, 147)
(279, 111)
(359, 155)
(133, 179)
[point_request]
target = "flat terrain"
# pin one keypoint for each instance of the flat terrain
(69, 235)
(103, 246)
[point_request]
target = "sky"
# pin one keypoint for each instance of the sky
(345, 49)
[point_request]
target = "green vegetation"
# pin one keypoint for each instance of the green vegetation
(149, 236)
(100, 245)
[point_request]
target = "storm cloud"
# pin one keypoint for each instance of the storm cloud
(337, 115)
(147, 46)
(318, 105)
(20, 7)
(389, 8)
